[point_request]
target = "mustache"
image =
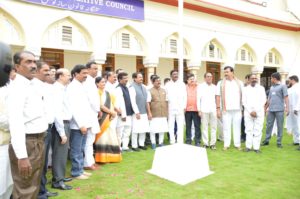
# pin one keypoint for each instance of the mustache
(33, 69)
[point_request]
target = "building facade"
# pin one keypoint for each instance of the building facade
(253, 36)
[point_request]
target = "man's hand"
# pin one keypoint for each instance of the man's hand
(286, 111)
(138, 116)
(219, 115)
(253, 114)
(63, 139)
(295, 112)
(200, 114)
(149, 116)
(83, 130)
(25, 169)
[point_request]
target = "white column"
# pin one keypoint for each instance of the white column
(180, 40)
(150, 71)
(99, 58)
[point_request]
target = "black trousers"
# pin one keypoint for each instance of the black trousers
(43, 189)
(59, 155)
(189, 117)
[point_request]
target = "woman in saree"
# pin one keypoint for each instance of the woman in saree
(107, 147)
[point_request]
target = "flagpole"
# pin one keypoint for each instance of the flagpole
(180, 40)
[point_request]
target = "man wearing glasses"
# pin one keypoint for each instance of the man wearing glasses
(206, 97)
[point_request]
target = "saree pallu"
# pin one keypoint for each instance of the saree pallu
(107, 147)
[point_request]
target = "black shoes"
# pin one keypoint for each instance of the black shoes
(143, 147)
(136, 149)
(62, 186)
(279, 146)
(264, 143)
(67, 179)
(51, 194)
(247, 150)
(257, 151)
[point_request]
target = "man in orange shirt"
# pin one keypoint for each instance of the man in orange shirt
(192, 111)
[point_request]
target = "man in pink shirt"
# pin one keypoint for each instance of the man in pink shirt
(192, 111)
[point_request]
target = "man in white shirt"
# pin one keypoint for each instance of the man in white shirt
(294, 98)
(61, 133)
(140, 123)
(177, 98)
(207, 99)
(46, 90)
(254, 99)
(229, 107)
(124, 123)
(81, 122)
(28, 124)
(6, 182)
(94, 102)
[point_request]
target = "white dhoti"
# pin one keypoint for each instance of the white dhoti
(6, 182)
(139, 129)
(232, 118)
(177, 116)
(88, 150)
(253, 130)
(124, 131)
(158, 125)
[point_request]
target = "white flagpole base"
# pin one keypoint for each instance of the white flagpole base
(180, 163)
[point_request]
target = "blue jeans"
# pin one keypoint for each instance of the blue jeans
(77, 144)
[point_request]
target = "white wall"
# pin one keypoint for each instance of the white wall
(72, 58)
(164, 67)
(128, 63)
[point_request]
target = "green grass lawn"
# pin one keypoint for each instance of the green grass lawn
(273, 174)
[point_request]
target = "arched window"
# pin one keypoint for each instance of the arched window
(10, 32)
(126, 40)
(66, 34)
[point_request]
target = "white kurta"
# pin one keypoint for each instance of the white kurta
(138, 125)
(254, 99)
(293, 119)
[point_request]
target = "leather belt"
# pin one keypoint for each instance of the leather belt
(36, 135)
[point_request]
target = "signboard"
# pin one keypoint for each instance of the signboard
(127, 9)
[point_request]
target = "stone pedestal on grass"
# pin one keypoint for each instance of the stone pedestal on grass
(180, 163)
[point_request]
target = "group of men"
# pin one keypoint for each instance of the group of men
(43, 110)
(40, 110)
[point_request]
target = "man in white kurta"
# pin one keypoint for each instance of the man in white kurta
(177, 97)
(94, 102)
(124, 122)
(82, 120)
(140, 124)
(294, 98)
(254, 99)
(229, 107)
(207, 99)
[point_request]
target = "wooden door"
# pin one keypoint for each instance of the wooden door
(53, 57)
(265, 78)
(215, 69)
(109, 64)
(141, 68)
